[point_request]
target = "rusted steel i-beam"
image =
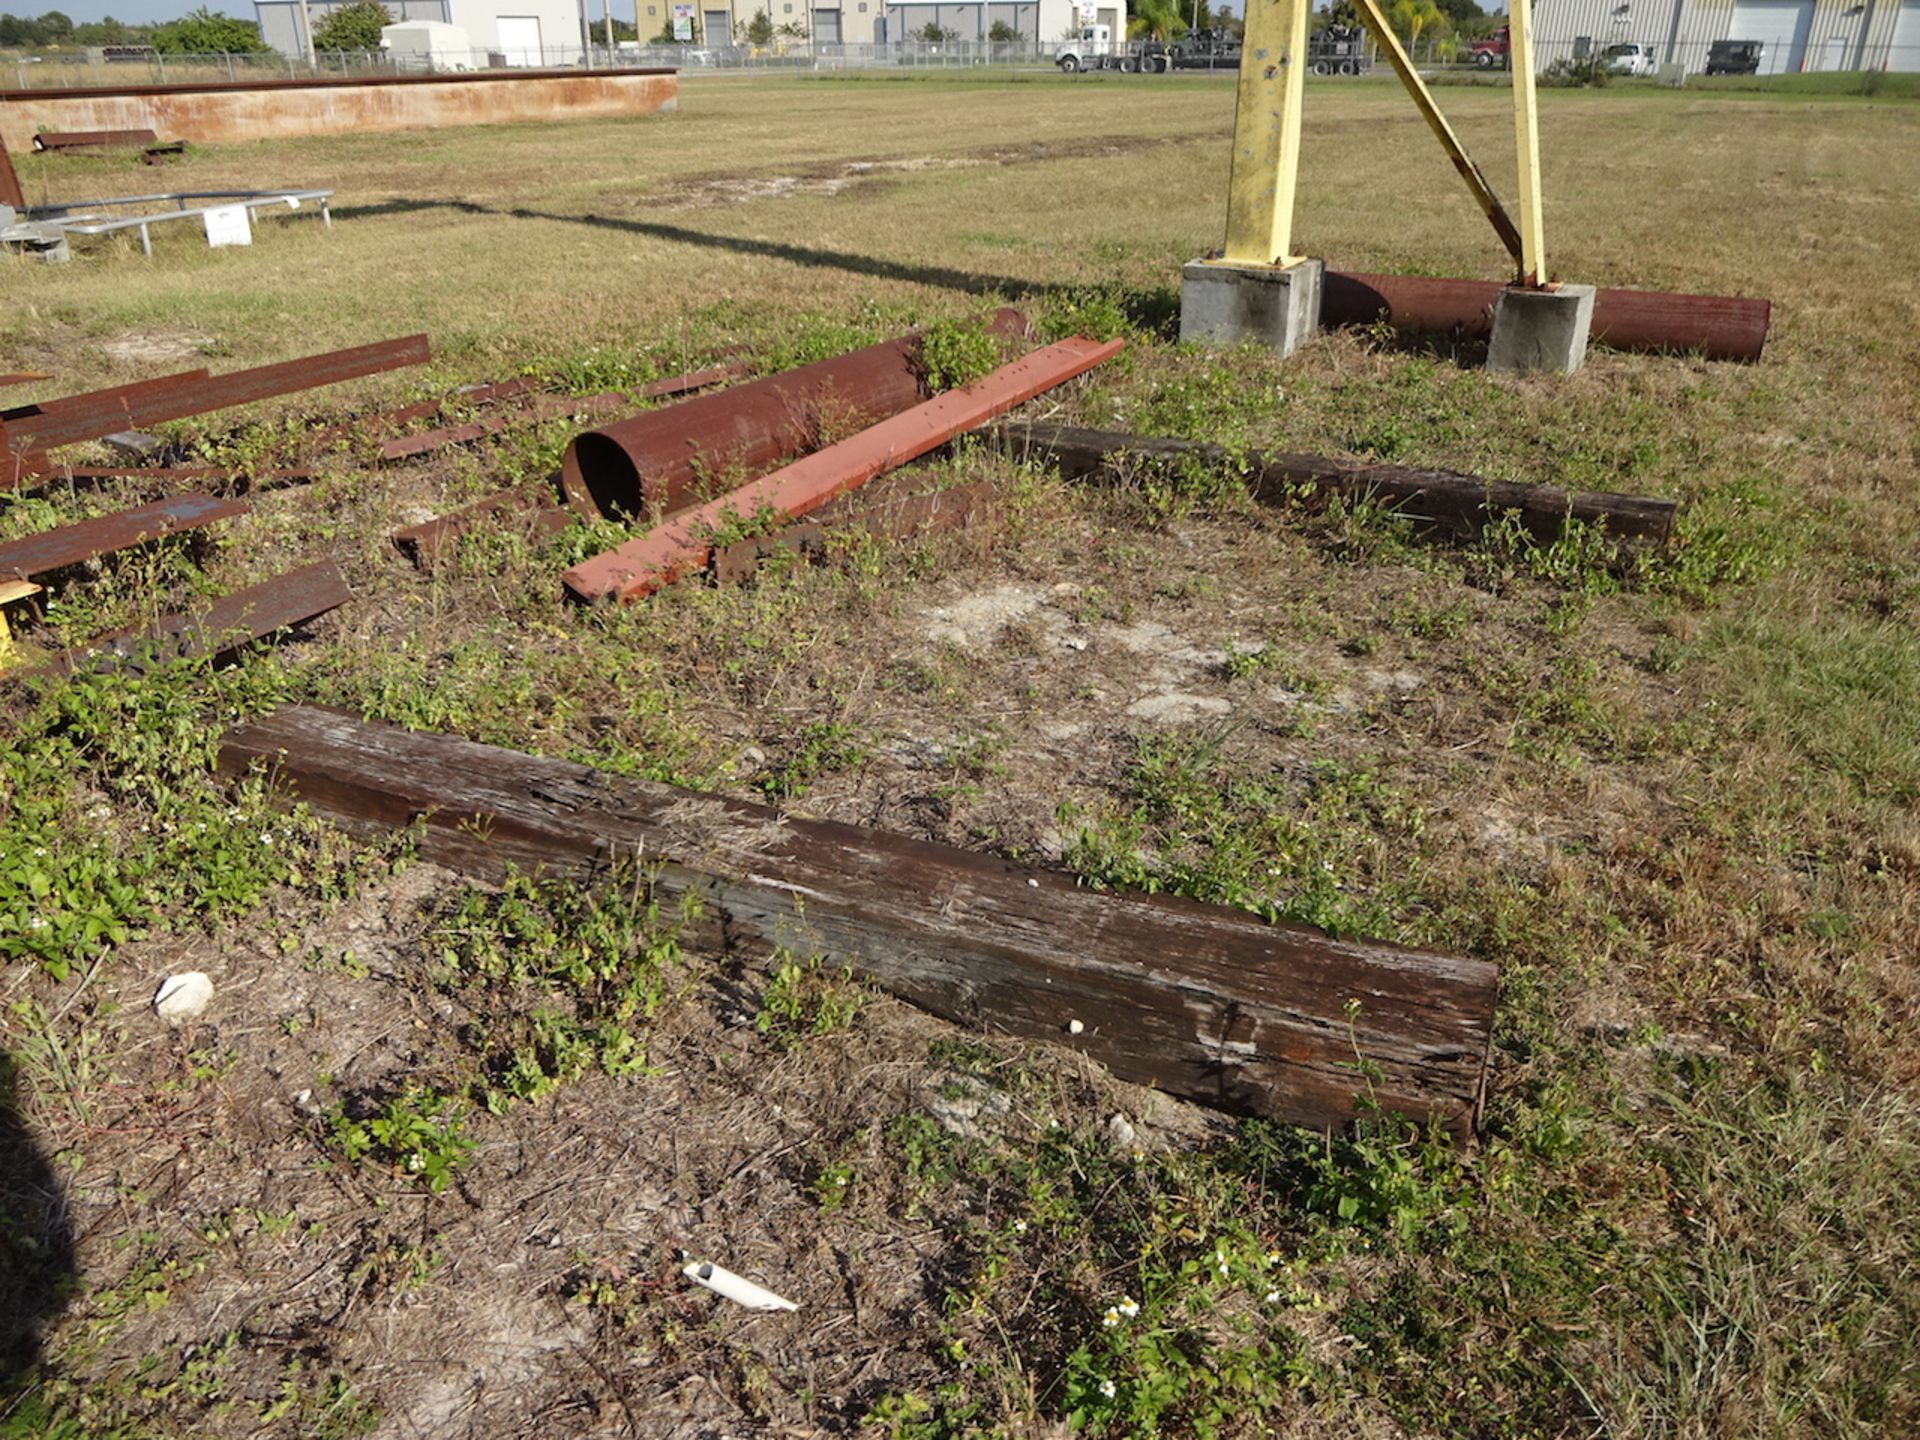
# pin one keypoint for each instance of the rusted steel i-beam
(53, 550)
(128, 407)
(1207, 1003)
(224, 626)
(674, 547)
(1719, 327)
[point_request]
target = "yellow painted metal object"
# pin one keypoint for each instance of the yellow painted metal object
(1526, 135)
(1423, 101)
(1266, 133)
(11, 592)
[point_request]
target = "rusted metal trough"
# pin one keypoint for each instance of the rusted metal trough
(1206, 1003)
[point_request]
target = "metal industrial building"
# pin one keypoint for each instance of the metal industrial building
(502, 32)
(879, 22)
(1798, 35)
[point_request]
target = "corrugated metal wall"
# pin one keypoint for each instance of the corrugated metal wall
(1843, 34)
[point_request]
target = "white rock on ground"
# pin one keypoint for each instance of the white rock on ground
(183, 997)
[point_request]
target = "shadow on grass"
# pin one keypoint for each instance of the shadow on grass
(1155, 310)
(37, 1269)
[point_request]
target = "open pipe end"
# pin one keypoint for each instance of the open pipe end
(600, 478)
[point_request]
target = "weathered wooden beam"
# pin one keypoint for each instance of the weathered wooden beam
(1204, 1002)
(1442, 499)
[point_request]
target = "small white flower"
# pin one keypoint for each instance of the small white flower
(37, 923)
(1273, 1297)
(1111, 1318)
(1273, 1257)
(1019, 1227)
(1106, 1388)
(1128, 1306)
(266, 837)
(416, 1162)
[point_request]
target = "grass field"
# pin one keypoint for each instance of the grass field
(428, 1166)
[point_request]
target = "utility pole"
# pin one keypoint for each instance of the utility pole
(306, 35)
(606, 14)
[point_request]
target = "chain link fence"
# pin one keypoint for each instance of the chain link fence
(1833, 64)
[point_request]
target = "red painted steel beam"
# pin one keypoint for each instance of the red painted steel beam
(1719, 327)
(224, 626)
(71, 544)
(671, 549)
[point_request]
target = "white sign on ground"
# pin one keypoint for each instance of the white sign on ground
(683, 22)
(228, 225)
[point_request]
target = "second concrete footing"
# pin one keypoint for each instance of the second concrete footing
(1541, 329)
(1277, 306)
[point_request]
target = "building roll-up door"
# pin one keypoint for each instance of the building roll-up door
(714, 28)
(826, 27)
(520, 39)
(1905, 54)
(1781, 25)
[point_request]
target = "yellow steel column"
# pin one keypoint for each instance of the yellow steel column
(1266, 133)
(1526, 134)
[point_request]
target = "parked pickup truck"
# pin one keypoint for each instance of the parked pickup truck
(1629, 59)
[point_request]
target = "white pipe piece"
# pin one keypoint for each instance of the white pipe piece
(736, 1288)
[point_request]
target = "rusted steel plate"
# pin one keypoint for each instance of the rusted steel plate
(92, 139)
(1440, 499)
(231, 621)
(130, 407)
(529, 510)
(1205, 1002)
(71, 544)
(651, 463)
(672, 548)
(168, 474)
(1719, 327)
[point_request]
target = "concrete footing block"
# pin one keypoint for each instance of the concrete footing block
(1541, 329)
(1277, 306)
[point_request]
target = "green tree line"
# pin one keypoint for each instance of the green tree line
(200, 32)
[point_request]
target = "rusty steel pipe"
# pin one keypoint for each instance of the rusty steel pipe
(652, 462)
(1719, 327)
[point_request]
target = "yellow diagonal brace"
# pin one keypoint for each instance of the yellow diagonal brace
(11, 591)
(1266, 133)
(1526, 135)
(1423, 101)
